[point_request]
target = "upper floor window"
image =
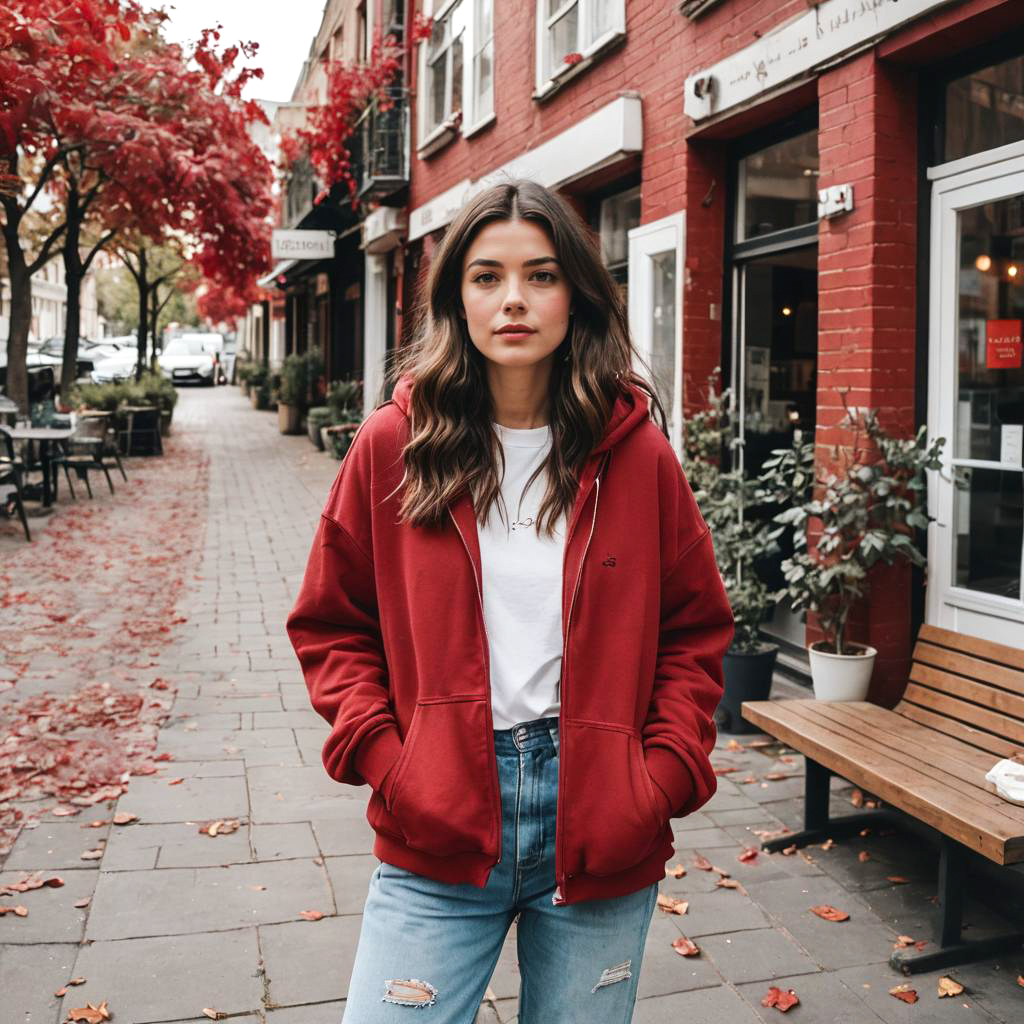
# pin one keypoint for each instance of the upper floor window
(457, 72)
(444, 66)
(985, 109)
(571, 31)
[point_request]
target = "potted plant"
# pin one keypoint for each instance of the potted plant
(845, 520)
(257, 380)
(741, 538)
(338, 438)
(243, 373)
(316, 419)
(292, 393)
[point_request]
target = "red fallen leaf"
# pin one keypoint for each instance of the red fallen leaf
(98, 823)
(780, 1000)
(1020, 980)
(175, 782)
(897, 880)
(760, 742)
(82, 902)
(734, 745)
(685, 947)
(165, 756)
(830, 913)
(701, 862)
(64, 988)
(748, 780)
(903, 941)
(92, 854)
(213, 1014)
(904, 992)
(828, 844)
(55, 882)
(89, 1014)
(949, 987)
(124, 818)
(676, 871)
(221, 827)
(18, 911)
(65, 812)
(728, 883)
(748, 856)
(311, 915)
(788, 851)
(776, 776)
(863, 856)
(672, 904)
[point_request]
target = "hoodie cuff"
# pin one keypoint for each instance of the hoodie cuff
(672, 776)
(376, 755)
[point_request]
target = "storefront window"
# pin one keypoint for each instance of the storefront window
(618, 214)
(985, 109)
(989, 496)
(778, 187)
(663, 326)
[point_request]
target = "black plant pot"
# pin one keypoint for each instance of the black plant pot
(747, 677)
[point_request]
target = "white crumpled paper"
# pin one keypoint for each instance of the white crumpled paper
(1007, 777)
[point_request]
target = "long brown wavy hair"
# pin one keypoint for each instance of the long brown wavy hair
(452, 444)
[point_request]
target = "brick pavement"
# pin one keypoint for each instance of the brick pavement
(180, 921)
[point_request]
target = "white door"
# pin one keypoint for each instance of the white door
(976, 395)
(656, 312)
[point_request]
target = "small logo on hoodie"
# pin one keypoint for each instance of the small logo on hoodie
(609, 561)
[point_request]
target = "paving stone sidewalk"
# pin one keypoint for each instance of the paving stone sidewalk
(180, 921)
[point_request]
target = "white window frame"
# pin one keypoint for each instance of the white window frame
(432, 137)
(478, 115)
(960, 184)
(645, 242)
(547, 12)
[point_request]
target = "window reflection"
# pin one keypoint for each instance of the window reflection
(985, 109)
(779, 186)
(989, 530)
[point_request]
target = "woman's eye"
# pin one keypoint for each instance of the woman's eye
(547, 273)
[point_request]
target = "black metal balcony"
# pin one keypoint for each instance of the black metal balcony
(383, 132)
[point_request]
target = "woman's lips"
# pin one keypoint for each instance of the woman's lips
(514, 335)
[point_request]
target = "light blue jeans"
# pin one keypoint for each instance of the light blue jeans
(432, 946)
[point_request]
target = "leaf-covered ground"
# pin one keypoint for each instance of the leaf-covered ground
(84, 611)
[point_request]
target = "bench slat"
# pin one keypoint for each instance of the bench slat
(918, 692)
(965, 783)
(972, 824)
(1000, 654)
(957, 685)
(958, 730)
(984, 673)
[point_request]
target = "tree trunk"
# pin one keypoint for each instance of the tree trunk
(143, 286)
(16, 386)
(73, 273)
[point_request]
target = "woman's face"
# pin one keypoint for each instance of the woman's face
(510, 276)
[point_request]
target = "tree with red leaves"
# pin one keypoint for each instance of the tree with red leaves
(131, 134)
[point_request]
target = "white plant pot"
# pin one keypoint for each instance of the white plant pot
(841, 676)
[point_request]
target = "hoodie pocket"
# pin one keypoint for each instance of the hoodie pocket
(443, 796)
(611, 818)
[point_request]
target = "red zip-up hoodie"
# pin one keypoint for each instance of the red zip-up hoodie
(388, 627)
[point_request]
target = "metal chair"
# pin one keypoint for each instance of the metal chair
(11, 492)
(84, 451)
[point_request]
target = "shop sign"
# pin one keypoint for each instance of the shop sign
(818, 36)
(302, 245)
(1002, 344)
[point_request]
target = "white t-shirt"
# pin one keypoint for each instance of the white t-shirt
(522, 587)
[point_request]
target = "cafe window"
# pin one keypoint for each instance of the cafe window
(778, 187)
(985, 109)
(618, 215)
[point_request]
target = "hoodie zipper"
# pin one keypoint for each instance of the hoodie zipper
(487, 671)
(558, 898)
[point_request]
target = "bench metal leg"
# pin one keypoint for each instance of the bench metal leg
(818, 826)
(952, 949)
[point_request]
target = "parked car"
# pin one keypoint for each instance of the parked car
(51, 353)
(215, 344)
(187, 360)
(119, 366)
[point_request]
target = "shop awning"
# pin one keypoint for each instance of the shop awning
(281, 268)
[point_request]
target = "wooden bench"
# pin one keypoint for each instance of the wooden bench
(926, 759)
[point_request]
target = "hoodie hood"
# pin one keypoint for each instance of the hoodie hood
(631, 408)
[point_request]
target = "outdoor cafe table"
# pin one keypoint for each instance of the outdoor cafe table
(47, 437)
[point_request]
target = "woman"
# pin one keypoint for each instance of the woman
(513, 621)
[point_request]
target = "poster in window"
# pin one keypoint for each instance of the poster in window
(1002, 344)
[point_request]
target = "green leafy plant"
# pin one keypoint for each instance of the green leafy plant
(345, 400)
(726, 501)
(864, 511)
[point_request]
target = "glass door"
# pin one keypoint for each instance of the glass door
(976, 396)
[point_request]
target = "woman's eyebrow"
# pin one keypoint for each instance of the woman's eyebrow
(526, 263)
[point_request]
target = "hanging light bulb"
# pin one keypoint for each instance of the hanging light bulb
(1012, 270)
(786, 311)
(983, 262)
